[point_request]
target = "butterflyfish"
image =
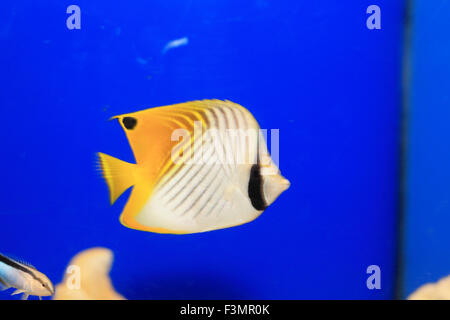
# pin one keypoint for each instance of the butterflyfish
(24, 278)
(200, 166)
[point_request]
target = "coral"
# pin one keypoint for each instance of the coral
(433, 291)
(87, 277)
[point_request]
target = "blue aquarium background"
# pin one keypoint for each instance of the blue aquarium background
(426, 234)
(311, 69)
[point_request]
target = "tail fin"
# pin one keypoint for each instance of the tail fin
(119, 175)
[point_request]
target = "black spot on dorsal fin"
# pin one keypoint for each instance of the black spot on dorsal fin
(129, 122)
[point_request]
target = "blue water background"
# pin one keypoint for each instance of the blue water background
(425, 256)
(308, 68)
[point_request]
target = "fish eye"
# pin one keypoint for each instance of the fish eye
(129, 122)
(43, 285)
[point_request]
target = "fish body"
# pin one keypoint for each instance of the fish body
(24, 278)
(200, 166)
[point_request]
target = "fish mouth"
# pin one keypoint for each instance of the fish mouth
(50, 290)
(285, 183)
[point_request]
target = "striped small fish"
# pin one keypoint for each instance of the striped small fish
(200, 166)
(24, 278)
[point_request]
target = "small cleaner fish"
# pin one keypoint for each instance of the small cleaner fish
(200, 166)
(24, 278)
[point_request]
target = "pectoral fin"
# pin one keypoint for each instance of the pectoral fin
(25, 296)
(3, 285)
(17, 292)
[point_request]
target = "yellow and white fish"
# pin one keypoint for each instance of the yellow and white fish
(24, 278)
(219, 175)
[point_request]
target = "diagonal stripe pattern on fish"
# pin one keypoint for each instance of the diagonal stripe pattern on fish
(200, 166)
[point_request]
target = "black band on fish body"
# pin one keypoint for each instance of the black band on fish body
(17, 266)
(129, 122)
(255, 188)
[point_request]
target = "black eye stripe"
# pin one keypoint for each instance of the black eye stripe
(255, 188)
(129, 122)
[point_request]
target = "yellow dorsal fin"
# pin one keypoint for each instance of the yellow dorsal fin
(119, 175)
(153, 136)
